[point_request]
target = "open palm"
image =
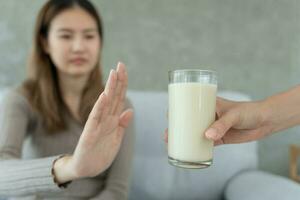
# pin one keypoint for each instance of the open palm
(103, 133)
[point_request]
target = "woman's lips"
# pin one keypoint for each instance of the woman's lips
(78, 61)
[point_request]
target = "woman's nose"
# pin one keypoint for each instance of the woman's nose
(78, 45)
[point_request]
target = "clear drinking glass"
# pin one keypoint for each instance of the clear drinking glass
(192, 106)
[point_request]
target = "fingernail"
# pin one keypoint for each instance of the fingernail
(131, 110)
(118, 66)
(211, 133)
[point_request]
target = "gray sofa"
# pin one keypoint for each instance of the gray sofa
(233, 176)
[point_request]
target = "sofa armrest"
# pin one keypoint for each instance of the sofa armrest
(256, 185)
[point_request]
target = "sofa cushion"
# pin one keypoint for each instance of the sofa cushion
(154, 178)
(258, 185)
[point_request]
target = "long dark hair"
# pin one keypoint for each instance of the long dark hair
(41, 86)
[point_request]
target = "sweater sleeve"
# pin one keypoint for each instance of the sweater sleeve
(118, 179)
(20, 177)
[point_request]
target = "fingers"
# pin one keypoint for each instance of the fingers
(218, 129)
(166, 136)
(222, 106)
(109, 91)
(120, 103)
(119, 92)
(237, 137)
(111, 84)
(98, 108)
(166, 131)
(126, 118)
(240, 136)
(218, 142)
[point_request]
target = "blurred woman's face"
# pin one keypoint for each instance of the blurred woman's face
(73, 42)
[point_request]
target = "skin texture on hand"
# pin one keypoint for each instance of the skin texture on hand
(238, 122)
(102, 135)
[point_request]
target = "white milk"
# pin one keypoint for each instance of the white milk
(191, 112)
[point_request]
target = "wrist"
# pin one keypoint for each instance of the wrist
(63, 171)
(272, 115)
(265, 111)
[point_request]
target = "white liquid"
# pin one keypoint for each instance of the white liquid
(191, 112)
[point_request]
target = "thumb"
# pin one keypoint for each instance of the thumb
(219, 128)
(126, 118)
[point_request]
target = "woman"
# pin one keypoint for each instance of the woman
(72, 137)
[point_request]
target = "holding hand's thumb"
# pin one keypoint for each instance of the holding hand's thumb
(219, 128)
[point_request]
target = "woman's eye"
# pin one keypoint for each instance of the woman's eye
(89, 36)
(65, 37)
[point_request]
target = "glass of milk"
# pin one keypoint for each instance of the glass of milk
(192, 105)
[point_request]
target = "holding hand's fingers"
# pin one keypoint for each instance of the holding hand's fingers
(166, 136)
(237, 122)
(234, 136)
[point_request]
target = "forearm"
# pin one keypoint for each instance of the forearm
(24, 177)
(282, 111)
